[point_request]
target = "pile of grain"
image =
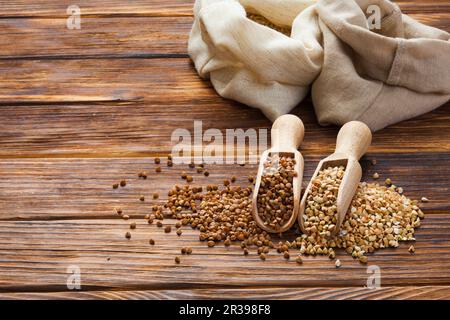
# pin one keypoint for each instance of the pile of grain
(379, 217)
(219, 214)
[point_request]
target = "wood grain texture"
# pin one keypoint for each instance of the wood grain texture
(130, 107)
(140, 37)
(35, 256)
(438, 20)
(82, 109)
(98, 37)
(340, 293)
(90, 8)
(41, 189)
(422, 6)
(93, 8)
(98, 80)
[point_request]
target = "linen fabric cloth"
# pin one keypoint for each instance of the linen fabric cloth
(379, 74)
(251, 63)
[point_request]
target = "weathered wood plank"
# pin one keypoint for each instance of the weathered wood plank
(89, 8)
(48, 8)
(34, 189)
(129, 130)
(114, 80)
(137, 129)
(109, 130)
(341, 293)
(35, 255)
(105, 36)
(423, 6)
(115, 36)
(129, 107)
(439, 20)
(83, 187)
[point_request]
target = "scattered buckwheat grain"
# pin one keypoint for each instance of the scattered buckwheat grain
(379, 217)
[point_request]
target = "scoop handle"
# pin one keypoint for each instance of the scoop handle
(287, 132)
(353, 139)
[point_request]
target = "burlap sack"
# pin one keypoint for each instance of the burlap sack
(380, 76)
(252, 63)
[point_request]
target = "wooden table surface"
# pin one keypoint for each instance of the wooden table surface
(82, 109)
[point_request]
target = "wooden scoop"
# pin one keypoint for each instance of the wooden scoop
(352, 143)
(287, 135)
